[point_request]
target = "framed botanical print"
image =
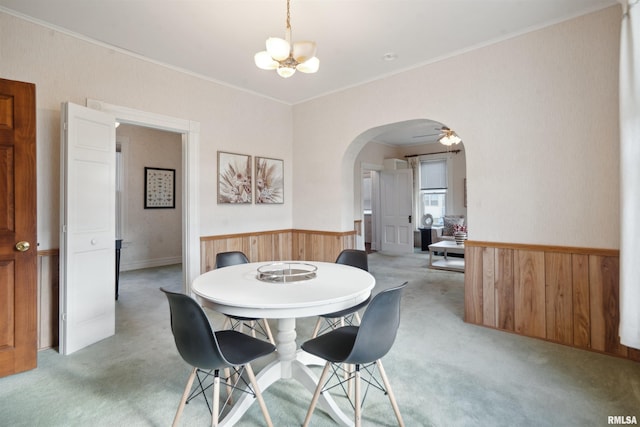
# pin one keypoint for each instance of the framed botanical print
(159, 188)
(234, 178)
(269, 181)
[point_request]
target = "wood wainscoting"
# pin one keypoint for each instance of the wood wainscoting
(48, 298)
(560, 294)
(278, 245)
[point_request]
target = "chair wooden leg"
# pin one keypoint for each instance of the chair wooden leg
(358, 403)
(268, 331)
(316, 394)
(185, 395)
(357, 316)
(227, 323)
(256, 390)
(252, 326)
(216, 399)
(392, 398)
(227, 374)
(317, 328)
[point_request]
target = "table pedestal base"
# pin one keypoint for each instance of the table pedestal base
(294, 364)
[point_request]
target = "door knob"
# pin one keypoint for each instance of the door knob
(23, 246)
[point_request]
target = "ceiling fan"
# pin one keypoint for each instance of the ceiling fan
(428, 135)
(445, 136)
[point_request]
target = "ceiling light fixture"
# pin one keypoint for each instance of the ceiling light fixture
(448, 137)
(285, 58)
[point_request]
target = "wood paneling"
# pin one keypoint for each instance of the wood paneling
(48, 297)
(580, 300)
(278, 245)
(503, 286)
(488, 275)
(473, 294)
(529, 293)
(558, 297)
(560, 294)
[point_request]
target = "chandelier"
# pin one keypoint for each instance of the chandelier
(449, 137)
(285, 58)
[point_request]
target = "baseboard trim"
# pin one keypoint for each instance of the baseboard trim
(150, 263)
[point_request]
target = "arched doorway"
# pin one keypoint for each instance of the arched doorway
(409, 144)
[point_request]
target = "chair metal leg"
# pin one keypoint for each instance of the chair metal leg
(358, 403)
(258, 393)
(392, 398)
(316, 394)
(185, 395)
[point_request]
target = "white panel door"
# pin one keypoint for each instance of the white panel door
(395, 206)
(87, 238)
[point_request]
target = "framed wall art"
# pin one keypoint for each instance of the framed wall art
(159, 188)
(269, 182)
(234, 178)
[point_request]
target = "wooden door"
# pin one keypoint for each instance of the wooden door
(88, 238)
(18, 268)
(396, 204)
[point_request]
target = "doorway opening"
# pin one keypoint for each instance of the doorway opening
(409, 144)
(151, 235)
(189, 132)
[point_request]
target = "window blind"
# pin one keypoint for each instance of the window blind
(433, 174)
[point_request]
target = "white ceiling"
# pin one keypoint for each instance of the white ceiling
(216, 39)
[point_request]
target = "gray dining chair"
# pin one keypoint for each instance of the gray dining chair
(362, 346)
(226, 259)
(209, 352)
(354, 258)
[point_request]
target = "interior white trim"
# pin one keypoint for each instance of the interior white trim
(190, 131)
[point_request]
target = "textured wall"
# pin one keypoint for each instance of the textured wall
(65, 68)
(538, 115)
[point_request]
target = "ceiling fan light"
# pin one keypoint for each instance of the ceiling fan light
(286, 72)
(303, 51)
(310, 66)
(264, 61)
(278, 48)
(445, 140)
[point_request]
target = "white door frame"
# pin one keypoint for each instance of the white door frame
(190, 131)
(375, 201)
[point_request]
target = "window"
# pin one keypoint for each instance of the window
(433, 189)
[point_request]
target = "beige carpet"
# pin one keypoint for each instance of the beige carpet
(444, 372)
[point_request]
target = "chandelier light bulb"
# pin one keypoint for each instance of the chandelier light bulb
(286, 72)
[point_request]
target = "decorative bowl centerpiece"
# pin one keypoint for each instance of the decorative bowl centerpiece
(285, 272)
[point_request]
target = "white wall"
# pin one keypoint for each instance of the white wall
(65, 68)
(538, 114)
(539, 118)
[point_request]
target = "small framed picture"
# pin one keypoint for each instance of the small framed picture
(159, 188)
(269, 181)
(234, 178)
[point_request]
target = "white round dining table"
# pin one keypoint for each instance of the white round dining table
(237, 290)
